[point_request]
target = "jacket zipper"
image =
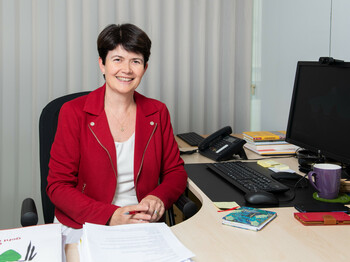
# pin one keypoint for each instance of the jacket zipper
(143, 155)
(83, 189)
(110, 158)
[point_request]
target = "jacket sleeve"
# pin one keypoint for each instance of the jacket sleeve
(64, 189)
(173, 177)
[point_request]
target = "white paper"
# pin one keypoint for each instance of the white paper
(35, 243)
(278, 170)
(133, 242)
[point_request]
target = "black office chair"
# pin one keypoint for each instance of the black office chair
(47, 130)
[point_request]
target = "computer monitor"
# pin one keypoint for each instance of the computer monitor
(319, 117)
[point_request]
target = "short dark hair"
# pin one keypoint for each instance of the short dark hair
(129, 36)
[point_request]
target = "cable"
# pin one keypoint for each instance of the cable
(293, 190)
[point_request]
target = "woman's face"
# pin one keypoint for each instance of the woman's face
(123, 70)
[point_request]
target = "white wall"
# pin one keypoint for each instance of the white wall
(287, 32)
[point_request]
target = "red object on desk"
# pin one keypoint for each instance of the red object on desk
(230, 209)
(323, 218)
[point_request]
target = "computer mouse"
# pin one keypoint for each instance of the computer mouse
(258, 198)
(286, 176)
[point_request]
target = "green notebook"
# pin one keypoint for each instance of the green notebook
(249, 218)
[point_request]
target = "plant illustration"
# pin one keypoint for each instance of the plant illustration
(12, 255)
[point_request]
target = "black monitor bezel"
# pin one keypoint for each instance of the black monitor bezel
(333, 156)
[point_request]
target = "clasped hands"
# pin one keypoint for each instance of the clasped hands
(150, 209)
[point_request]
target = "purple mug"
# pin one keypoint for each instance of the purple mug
(325, 178)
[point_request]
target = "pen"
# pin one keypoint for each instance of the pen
(230, 209)
(130, 212)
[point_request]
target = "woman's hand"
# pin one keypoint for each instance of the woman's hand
(150, 209)
(155, 206)
(130, 214)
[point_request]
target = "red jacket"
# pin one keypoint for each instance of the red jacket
(83, 166)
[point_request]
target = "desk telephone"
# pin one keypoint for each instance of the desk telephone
(221, 145)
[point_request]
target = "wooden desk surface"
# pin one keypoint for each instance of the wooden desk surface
(284, 239)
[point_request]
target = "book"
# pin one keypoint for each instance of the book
(249, 218)
(264, 135)
(323, 218)
(274, 149)
(266, 142)
(33, 243)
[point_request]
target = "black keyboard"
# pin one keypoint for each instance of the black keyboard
(246, 178)
(191, 138)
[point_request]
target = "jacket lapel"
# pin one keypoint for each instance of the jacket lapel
(98, 124)
(146, 120)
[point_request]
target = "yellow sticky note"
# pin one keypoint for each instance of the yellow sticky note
(225, 205)
(267, 163)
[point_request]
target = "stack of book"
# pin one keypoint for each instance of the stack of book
(268, 143)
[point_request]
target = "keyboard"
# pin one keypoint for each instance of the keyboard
(191, 138)
(246, 178)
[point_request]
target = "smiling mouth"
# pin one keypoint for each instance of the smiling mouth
(124, 79)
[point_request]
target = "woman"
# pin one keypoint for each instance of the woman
(114, 159)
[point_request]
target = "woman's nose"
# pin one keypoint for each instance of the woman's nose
(127, 67)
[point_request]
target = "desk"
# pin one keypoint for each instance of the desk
(284, 239)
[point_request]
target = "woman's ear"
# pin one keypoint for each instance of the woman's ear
(102, 66)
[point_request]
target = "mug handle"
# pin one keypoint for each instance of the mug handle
(312, 175)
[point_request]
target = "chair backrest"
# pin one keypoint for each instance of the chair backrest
(47, 130)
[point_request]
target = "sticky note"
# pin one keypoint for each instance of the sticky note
(225, 205)
(267, 163)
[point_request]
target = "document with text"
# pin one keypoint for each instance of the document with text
(133, 242)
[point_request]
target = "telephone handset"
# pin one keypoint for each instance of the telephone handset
(222, 146)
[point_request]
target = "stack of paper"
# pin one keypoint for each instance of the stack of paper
(133, 242)
(36, 243)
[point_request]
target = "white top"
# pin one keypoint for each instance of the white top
(125, 193)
